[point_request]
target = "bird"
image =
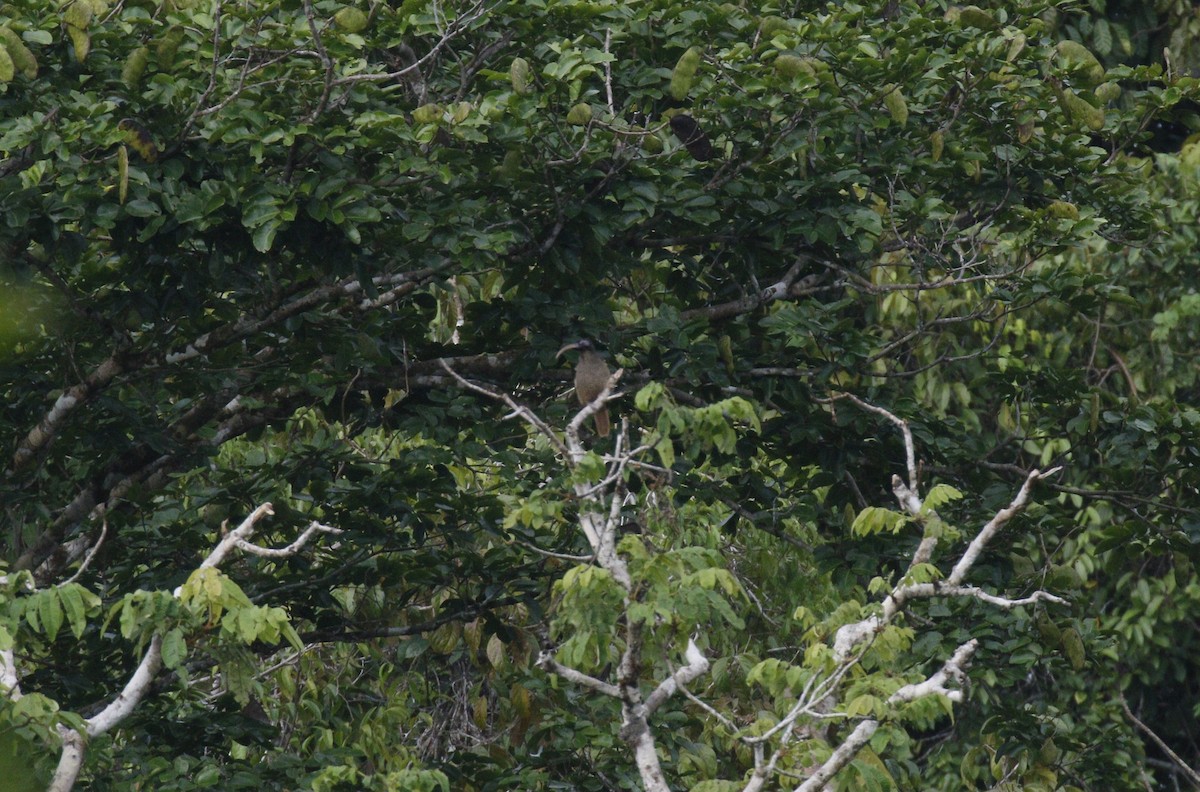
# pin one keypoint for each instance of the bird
(688, 130)
(591, 375)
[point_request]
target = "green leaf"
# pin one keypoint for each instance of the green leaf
(264, 236)
(50, 612)
(874, 519)
(71, 597)
(938, 496)
(140, 207)
(174, 648)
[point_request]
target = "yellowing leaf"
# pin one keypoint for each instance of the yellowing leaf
(684, 73)
(212, 584)
(518, 75)
(135, 65)
(122, 174)
(580, 114)
(351, 20)
(21, 55)
(445, 639)
(495, 651)
(80, 41)
(7, 69)
(473, 633)
(78, 14)
(139, 139)
(896, 105)
(522, 702)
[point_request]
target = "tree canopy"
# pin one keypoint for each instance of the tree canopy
(900, 492)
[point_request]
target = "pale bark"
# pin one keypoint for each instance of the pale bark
(73, 751)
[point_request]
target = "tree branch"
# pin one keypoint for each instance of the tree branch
(790, 285)
(1191, 775)
(72, 755)
(697, 664)
(546, 661)
(953, 669)
(971, 555)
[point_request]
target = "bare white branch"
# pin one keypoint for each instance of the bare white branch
(697, 664)
(606, 395)
(927, 590)
(908, 498)
(72, 755)
(10, 680)
(547, 661)
(910, 453)
(851, 637)
(293, 548)
(971, 554)
(953, 669)
(70, 762)
(841, 756)
(579, 559)
(608, 89)
(699, 702)
(600, 503)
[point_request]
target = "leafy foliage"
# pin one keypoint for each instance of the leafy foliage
(239, 238)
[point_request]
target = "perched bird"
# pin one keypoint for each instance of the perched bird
(688, 130)
(591, 375)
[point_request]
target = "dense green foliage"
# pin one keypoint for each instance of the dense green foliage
(240, 238)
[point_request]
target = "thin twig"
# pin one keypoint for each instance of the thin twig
(1188, 773)
(518, 410)
(91, 553)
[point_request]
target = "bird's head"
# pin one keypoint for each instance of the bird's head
(583, 345)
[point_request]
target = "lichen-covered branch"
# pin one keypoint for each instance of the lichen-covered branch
(852, 640)
(600, 505)
(135, 689)
(953, 669)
